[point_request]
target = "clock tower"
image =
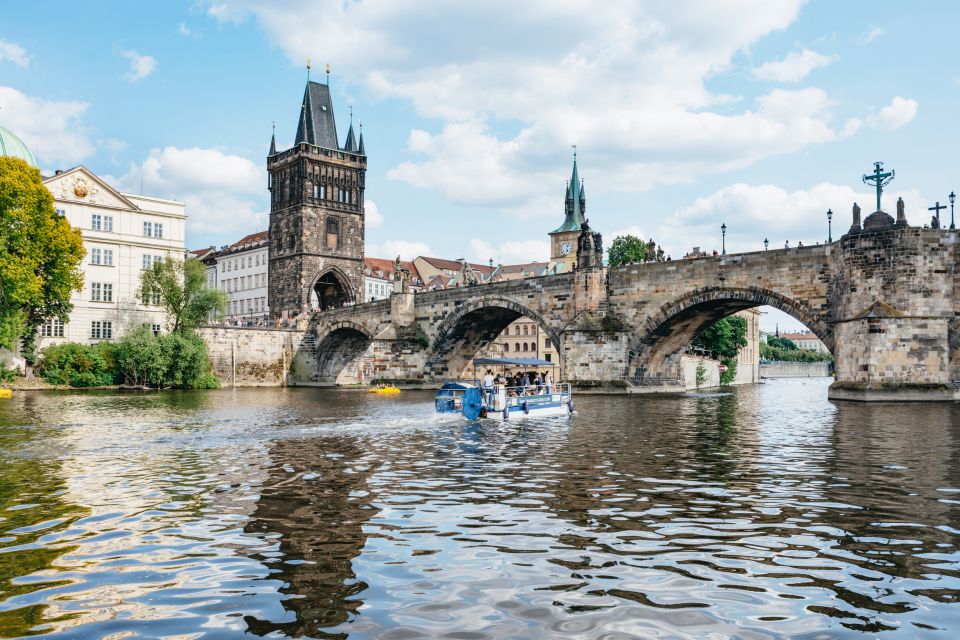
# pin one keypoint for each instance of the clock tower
(563, 239)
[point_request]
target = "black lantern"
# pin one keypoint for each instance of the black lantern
(829, 225)
(952, 198)
(766, 244)
(723, 231)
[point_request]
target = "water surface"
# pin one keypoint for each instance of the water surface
(768, 512)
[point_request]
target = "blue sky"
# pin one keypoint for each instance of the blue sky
(687, 115)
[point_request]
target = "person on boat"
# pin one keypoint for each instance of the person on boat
(548, 382)
(488, 384)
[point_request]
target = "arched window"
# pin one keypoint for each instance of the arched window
(526, 331)
(516, 346)
(525, 347)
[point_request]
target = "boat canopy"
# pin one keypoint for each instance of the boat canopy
(519, 362)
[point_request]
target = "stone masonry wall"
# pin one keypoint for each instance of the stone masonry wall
(251, 357)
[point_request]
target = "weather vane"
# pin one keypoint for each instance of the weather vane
(879, 179)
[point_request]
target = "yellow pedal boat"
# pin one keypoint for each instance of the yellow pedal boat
(384, 391)
(6, 393)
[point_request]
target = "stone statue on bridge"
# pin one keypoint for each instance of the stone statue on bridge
(901, 214)
(856, 218)
(589, 247)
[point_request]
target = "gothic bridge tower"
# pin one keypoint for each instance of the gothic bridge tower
(316, 212)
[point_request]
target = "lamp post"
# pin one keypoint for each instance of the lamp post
(952, 197)
(723, 231)
(829, 225)
(766, 244)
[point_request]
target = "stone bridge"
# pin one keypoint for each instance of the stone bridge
(883, 302)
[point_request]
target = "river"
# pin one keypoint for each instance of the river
(765, 512)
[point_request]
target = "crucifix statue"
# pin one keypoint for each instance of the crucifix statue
(879, 178)
(935, 221)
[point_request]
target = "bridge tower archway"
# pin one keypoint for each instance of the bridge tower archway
(331, 289)
(659, 343)
(471, 327)
(339, 350)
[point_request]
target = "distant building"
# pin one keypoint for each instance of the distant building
(806, 340)
(241, 271)
(123, 235)
(379, 276)
(563, 239)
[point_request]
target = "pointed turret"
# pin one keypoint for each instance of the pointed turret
(317, 125)
(273, 142)
(360, 148)
(575, 202)
(351, 143)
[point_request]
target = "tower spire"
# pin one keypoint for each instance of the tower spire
(273, 140)
(308, 69)
(360, 148)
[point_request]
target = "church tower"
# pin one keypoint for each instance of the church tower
(316, 212)
(563, 240)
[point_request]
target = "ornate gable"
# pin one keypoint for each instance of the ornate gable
(83, 186)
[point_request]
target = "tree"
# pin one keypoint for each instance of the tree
(40, 256)
(627, 249)
(181, 287)
(781, 343)
(724, 338)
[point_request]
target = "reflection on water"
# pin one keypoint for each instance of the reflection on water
(764, 513)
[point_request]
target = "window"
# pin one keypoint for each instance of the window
(153, 229)
(546, 343)
(52, 328)
(526, 347)
(101, 256)
(155, 328)
(96, 222)
(547, 357)
(516, 346)
(108, 257)
(526, 330)
(95, 256)
(333, 233)
(101, 329)
(108, 223)
(62, 212)
(150, 297)
(101, 292)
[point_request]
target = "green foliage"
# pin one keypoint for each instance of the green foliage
(171, 360)
(626, 249)
(724, 338)
(138, 359)
(12, 326)
(726, 377)
(781, 343)
(79, 365)
(40, 253)
(184, 295)
(701, 374)
(8, 375)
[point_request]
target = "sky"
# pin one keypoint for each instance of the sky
(757, 114)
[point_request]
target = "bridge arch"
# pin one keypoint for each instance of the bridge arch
(472, 326)
(339, 347)
(660, 340)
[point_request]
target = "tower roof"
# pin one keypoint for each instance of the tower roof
(351, 143)
(317, 126)
(11, 145)
(574, 199)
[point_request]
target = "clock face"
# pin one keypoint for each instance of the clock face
(565, 248)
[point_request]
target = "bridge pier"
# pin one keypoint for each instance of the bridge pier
(893, 295)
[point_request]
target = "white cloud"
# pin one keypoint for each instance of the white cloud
(183, 29)
(511, 252)
(14, 53)
(899, 112)
(752, 212)
(793, 68)
(53, 130)
(141, 66)
(870, 35)
(392, 248)
(222, 191)
(627, 83)
(374, 219)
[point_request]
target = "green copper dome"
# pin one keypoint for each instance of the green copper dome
(11, 145)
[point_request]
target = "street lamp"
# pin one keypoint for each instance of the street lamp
(952, 197)
(829, 225)
(766, 244)
(723, 230)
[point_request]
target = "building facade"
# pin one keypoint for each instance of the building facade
(316, 213)
(240, 270)
(806, 340)
(379, 276)
(123, 235)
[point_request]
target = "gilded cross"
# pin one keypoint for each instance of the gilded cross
(879, 179)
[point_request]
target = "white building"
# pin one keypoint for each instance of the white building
(240, 270)
(123, 234)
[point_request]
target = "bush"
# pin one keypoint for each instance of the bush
(139, 358)
(728, 376)
(79, 365)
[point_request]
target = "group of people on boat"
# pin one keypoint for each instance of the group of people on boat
(521, 383)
